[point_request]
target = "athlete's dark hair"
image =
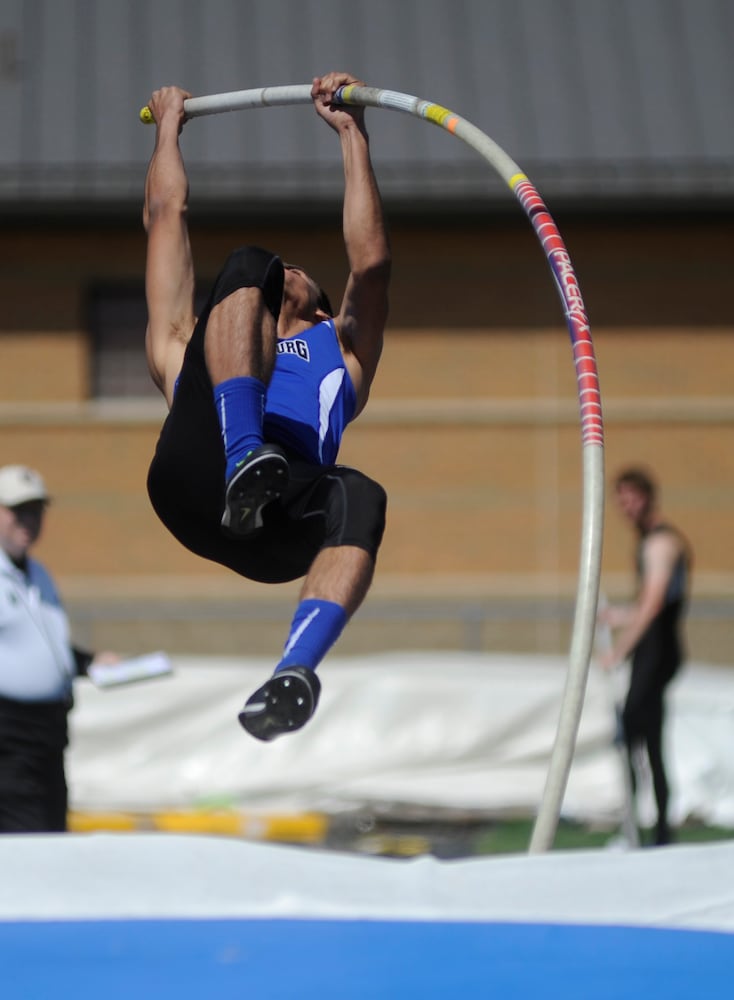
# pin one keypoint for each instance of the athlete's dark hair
(323, 302)
(639, 479)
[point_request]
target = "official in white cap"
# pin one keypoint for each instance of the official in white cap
(37, 665)
(19, 485)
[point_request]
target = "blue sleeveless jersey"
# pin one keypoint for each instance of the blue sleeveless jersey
(310, 398)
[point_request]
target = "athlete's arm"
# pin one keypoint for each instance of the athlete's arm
(659, 555)
(169, 271)
(363, 313)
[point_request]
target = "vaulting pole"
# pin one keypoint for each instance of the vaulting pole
(587, 381)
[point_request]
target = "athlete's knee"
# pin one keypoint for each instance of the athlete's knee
(357, 512)
(252, 267)
(371, 501)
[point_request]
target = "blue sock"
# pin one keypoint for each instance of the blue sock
(240, 405)
(315, 628)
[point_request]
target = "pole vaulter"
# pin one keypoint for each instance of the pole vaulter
(587, 381)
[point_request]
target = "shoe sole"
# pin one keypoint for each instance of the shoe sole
(259, 483)
(282, 705)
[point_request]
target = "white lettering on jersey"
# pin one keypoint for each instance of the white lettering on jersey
(297, 347)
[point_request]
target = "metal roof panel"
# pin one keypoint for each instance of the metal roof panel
(593, 98)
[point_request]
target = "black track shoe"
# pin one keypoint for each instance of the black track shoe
(261, 478)
(283, 704)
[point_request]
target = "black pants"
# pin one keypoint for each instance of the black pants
(33, 791)
(654, 664)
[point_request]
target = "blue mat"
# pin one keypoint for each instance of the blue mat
(352, 960)
(144, 916)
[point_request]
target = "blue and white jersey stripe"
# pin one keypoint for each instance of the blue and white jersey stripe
(310, 398)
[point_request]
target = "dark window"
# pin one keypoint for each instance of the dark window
(117, 321)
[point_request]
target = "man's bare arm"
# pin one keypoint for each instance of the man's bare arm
(169, 272)
(659, 558)
(363, 313)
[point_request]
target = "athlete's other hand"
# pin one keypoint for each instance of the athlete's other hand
(338, 116)
(169, 101)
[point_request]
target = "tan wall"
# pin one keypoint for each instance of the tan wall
(473, 425)
(493, 482)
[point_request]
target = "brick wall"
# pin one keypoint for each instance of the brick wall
(473, 423)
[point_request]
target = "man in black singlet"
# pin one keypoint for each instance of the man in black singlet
(649, 630)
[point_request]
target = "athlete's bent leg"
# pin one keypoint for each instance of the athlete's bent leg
(337, 582)
(239, 349)
(334, 588)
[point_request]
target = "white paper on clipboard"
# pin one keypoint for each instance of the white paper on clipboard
(131, 670)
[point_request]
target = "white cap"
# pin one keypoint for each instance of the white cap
(20, 485)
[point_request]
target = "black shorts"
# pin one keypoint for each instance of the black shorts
(323, 505)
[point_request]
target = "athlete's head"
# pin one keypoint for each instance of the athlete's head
(308, 298)
(636, 494)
